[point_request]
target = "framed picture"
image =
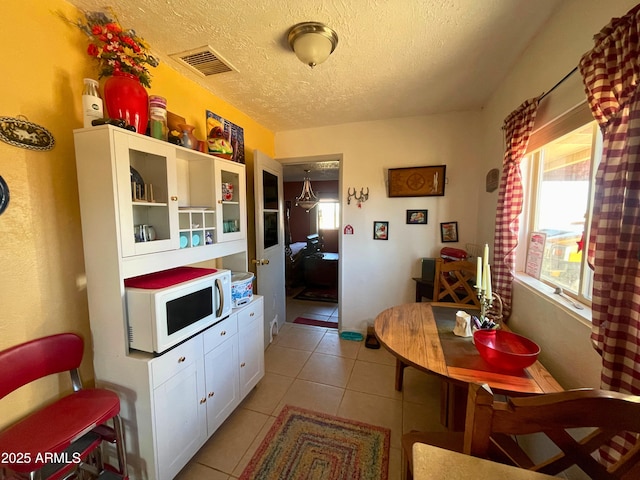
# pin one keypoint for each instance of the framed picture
(417, 181)
(381, 230)
(449, 232)
(224, 138)
(417, 217)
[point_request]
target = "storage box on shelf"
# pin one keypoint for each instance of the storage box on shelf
(170, 404)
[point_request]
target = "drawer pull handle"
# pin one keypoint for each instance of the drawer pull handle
(251, 314)
(211, 394)
(223, 333)
(182, 359)
(242, 365)
(202, 400)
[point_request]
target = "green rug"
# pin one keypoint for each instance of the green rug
(308, 445)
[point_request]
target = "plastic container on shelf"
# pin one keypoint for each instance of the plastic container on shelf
(92, 107)
(241, 288)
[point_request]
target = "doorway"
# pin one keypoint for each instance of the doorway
(312, 242)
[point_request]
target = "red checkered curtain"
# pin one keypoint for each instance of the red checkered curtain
(517, 128)
(611, 72)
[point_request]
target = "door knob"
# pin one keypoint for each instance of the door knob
(262, 261)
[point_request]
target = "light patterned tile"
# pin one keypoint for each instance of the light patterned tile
(332, 344)
(244, 461)
(197, 471)
(224, 450)
(380, 355)
(300, 337)
(375, 410)
(327, 369)
(313, 396)
(420, 387)
(374, 378)
(285, 361)
(267, 394)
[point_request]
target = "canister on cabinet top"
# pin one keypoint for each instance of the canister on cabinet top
(241, 288)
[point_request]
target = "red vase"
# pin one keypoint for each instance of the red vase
(126, 99)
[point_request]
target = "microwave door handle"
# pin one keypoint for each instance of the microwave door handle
(220, 296)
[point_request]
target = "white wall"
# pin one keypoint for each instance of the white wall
(376, 274)
(564, 339)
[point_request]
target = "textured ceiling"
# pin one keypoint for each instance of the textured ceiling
(395, 58)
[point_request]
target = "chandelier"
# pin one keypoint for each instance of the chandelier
(307, 198)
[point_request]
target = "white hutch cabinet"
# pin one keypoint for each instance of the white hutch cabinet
(171, 403)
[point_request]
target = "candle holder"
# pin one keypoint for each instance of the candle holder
(489, 311)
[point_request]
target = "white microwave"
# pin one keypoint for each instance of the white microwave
(166, 308)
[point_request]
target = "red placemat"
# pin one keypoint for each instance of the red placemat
(166, 278)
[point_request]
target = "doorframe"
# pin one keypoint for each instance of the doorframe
(292, 161)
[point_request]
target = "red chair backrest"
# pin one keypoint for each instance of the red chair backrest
(38, 358)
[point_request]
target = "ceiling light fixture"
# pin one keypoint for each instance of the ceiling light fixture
(307, 198)
(312, 42)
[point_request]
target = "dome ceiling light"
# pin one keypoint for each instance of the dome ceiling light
(312, 42)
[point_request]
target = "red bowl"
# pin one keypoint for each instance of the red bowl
(505, 350)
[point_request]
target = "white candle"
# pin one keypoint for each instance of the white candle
(486, 254)
(489, 293)
(479, 273)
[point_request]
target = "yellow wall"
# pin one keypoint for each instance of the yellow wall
(43, 63)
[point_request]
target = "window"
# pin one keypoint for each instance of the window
(562, 172)
(328, 215)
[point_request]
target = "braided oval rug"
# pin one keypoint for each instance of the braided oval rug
(303, 444)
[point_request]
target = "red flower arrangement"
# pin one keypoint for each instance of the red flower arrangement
(117, 49)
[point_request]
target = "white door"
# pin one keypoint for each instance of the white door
(269, 259)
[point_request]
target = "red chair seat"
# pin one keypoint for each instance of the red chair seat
(54, 427)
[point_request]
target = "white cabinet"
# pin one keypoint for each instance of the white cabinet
(179, 406)
(127, 181)
(251, 346)
(221, 367)
(147, 194)
(232, 209)
(170, 404)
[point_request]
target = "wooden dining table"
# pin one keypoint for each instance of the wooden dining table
(421, 335)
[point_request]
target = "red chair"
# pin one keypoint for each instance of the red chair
(66, 435)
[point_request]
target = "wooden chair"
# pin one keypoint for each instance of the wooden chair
(491, 426)
(454, 282)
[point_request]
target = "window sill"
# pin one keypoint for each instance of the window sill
(545, 291)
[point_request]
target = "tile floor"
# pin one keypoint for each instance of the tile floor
(312, 367)
(315, 310)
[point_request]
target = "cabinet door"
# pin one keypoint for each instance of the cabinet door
(221, 367)
(147, 194)
(251, 354)
(231, 218)
(180, 410)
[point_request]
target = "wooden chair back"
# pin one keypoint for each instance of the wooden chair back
(454, 282)
(491, 426)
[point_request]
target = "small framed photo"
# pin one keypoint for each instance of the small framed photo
(381, 230)
(449, 232)
(417, 217)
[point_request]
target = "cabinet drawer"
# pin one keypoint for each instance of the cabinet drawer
(172, 362)
(220, 332)
(250, 312)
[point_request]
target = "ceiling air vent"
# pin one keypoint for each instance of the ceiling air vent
(204, 61)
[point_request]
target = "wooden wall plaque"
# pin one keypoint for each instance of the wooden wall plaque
(417, 181)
